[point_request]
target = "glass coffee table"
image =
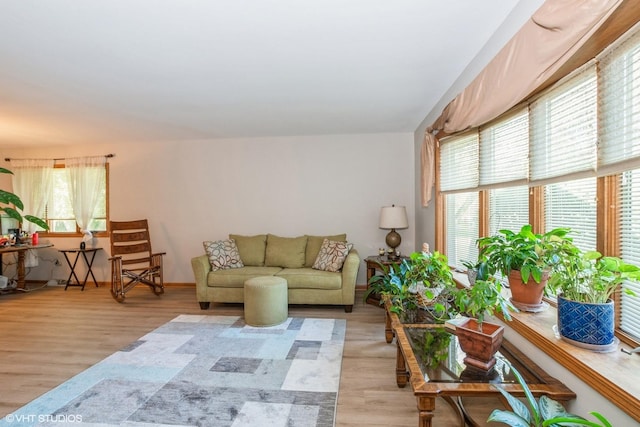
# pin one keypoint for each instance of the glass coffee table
(430, 359)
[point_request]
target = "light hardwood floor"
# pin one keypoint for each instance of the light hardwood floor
(49, 335)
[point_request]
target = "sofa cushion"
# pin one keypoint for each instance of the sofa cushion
(313, 247)
(308, 278)
(286, 252)
(223, 254)
(235, 278)
(251, 248)
(332, 255)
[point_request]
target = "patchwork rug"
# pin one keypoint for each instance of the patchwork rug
(202, 370)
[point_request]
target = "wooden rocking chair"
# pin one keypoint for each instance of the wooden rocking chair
(132, 260)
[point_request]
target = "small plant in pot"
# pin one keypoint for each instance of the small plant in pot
(14, 206)
(480, 340)
(527, 259)
(585, 283)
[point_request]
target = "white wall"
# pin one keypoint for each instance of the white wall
(201, 190)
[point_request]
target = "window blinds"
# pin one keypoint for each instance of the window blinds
(573, 204)
(459, 163)
(619, 104)
(629, 215)
(504, 149)
(563, 129)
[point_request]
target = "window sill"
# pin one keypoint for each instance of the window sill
(614, 375)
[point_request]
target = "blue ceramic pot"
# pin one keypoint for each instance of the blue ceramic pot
(586, 322)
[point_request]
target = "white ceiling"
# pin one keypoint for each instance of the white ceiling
(83, 71)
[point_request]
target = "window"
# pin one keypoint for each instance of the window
(59, 211)
(570, 157)
(508, 208)
(573, 204)
(462, 222)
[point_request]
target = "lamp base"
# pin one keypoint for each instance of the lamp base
(393, 239)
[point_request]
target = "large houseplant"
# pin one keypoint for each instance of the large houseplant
(585, 283)
(527, 259)
(12, 206)
(418, 286)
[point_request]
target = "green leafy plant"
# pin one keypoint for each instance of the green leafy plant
(539, 413)
(590, 277)
(530, 253)
(483, 298)
(13, 211)
(423, 274)
(476, 270)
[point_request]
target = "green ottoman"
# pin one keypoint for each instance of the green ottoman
(265, 301)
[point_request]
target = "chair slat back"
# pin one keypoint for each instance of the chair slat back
(131, 241)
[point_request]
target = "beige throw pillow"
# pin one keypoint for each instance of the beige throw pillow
(332, 255)
(285, 252)
(313, 246)
(223, 254)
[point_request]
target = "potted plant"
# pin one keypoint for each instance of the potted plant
(416, 287)
(585, 283)
(8, 199)
(527, 259)
(538, 413)
(480, 340)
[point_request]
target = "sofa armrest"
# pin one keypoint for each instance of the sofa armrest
(349, 275)
(201, 269)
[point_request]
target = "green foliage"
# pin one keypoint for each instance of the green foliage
(541, 413)
(481, 299)
(590, 277)
(7, 198)
(399, 282)
(525, 251)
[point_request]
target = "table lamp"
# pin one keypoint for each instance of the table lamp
(391, 218)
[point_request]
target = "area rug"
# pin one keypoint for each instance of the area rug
(205, 371)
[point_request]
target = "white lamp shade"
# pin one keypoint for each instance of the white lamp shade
(393, 217)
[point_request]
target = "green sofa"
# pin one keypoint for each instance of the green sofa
(291, 258)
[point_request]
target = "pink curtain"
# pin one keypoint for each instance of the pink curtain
(547, 40)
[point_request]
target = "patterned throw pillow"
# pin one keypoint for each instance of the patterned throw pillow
(332, 255)
(223, 254)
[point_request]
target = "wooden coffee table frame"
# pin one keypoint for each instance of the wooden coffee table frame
(408, 370)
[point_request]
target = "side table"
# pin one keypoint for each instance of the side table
(373, 265)
(88, 260)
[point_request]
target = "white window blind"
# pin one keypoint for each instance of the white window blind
(564, 128)
(504, 150)
(508, 208)
(462, 227)
(459, 162)
(629, 215)
(619, 82)
(573, 204)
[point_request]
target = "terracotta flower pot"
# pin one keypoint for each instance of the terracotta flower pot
(527, 296)
(480, 346)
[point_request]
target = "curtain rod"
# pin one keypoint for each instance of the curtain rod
(108, 156)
